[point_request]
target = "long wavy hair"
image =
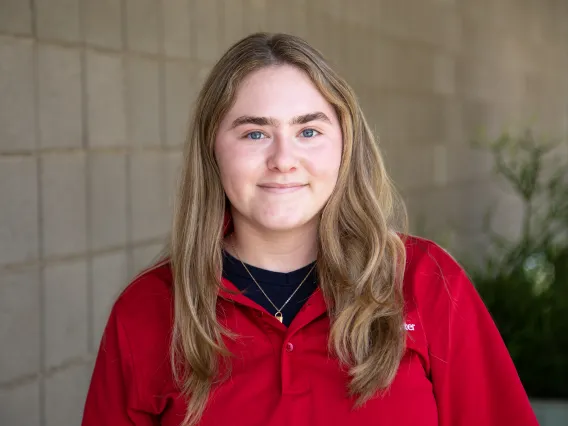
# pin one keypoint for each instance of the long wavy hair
(361, 254)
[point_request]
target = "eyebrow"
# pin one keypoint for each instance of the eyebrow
(270, 121)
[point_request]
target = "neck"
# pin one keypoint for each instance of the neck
(278, 251)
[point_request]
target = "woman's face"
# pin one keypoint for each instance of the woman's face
(278, 149)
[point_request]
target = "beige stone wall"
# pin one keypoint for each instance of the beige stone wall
(94, 99)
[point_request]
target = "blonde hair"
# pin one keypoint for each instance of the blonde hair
(361, 254)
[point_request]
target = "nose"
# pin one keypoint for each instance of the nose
(282, 156)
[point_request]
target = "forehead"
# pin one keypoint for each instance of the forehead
(278, 91)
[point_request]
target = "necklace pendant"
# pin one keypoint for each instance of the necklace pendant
(279, 316)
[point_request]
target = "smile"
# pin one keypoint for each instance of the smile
(277, 188)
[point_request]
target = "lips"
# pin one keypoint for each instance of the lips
(281, 185)
(280, 188)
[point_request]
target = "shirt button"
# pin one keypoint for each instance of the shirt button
(289, 347)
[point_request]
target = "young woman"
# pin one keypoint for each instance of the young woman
(291, 294)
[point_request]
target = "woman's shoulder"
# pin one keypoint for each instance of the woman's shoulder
(431, 272)
(438, 293)
(146, 303)
(138, 332)
(426, 257)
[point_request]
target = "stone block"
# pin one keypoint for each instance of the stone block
(383, 122)
(454, 133)
(453, 32)
(336, 8)
(416, 120)
(429, 211)
(149, 204)
(436, 24)
(412, 167)
(105, 100)
(317, 33)
(403, 67)
(373, 111)
(60, 106)
(177, 28)
(333, 42)
(357, 13)
(206, 31)
(279, 16)
(63, 210)
(58, 20)
(460, 207)
(143, 93)
(19, 406)
(103, 23)
(391, 16)
(142, 25)
(17, 128)
(477, 116)
(474, 200)
(16, 17)
(181, 89)
(256, 16)
(480, 13)
(300, 22)
(476, 38)
(66, 313)
(287, 17)
(109, 279)
(416, 20)
(357, 65)
(145, 256)
(468, 164)
(19, 324)
(108, 200)
(233, 22)
(19, 233)
(381, 68)
(440, 164)
(174, 163)
(476, 79)
(65, 393)
(444, 75)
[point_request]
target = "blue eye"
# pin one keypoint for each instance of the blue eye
(309, 133)
(255, 135)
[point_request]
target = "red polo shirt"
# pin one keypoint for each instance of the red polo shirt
(456, 370)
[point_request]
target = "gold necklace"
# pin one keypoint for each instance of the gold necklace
(278, 313)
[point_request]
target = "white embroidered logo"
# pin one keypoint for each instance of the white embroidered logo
(409, 327)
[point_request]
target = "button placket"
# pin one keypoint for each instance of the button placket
(293, 382)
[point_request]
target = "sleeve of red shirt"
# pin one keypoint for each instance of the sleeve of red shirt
(112, 397)
(474, 379)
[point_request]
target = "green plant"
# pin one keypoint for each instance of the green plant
(524, 283)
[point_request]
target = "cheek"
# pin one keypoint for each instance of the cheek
(227, 158)
(227, 167)
(233, 176)
(238, 171)
(325, 164)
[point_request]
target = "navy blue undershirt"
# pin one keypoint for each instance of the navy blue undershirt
(277, 285)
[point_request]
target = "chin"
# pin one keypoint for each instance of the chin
(283, 223)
